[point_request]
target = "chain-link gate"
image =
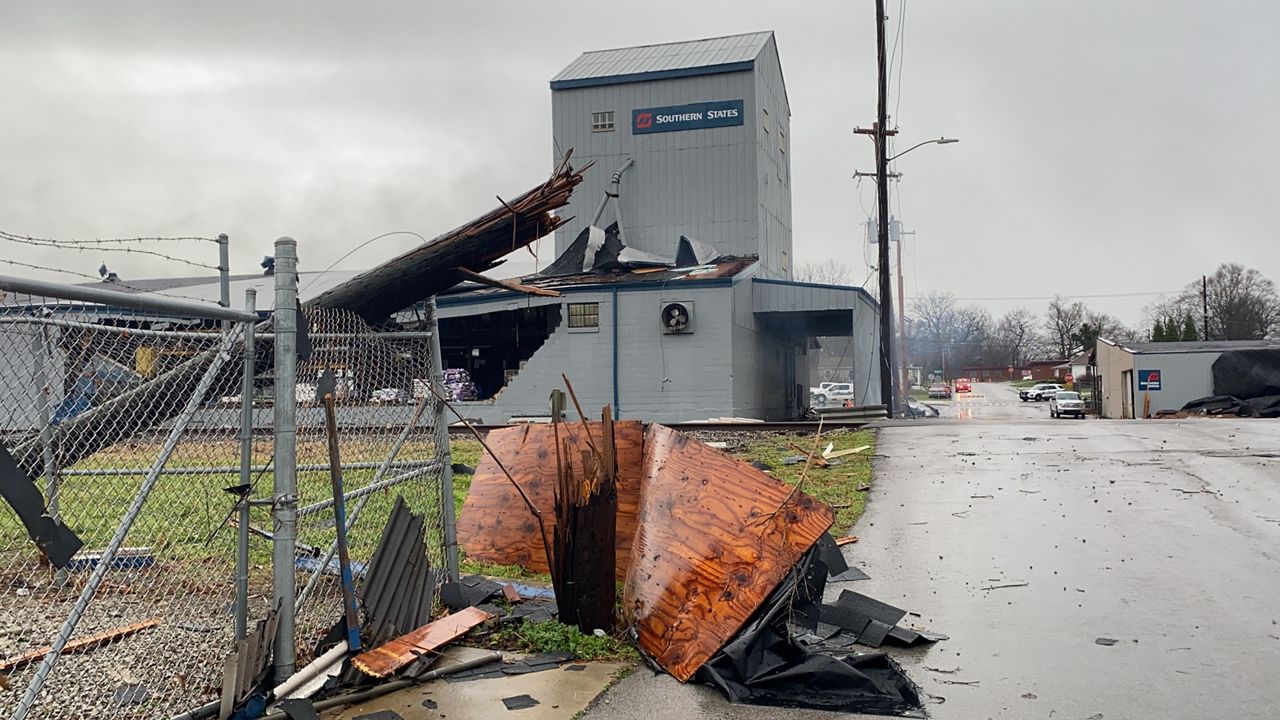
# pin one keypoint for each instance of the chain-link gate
(119, 523)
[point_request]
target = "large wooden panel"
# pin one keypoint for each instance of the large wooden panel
(495, 526)
(714, 537)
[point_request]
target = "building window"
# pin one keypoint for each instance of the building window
(602, 121)
(764, 120)
(584, 315)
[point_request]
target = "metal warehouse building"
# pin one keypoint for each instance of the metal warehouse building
(1164, 376)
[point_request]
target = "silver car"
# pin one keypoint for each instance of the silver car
(1066, 402)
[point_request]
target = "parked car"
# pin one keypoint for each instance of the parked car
(831, 392)
(939, 390)
(963, 386)
(1038, 392)
(1066, 403)
(387, 396)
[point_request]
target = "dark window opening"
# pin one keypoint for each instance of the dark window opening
(491, 348)
(584, 315)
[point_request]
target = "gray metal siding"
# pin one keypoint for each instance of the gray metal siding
(665, 378)
(1183, 377)
(698, 183)
(773, 165)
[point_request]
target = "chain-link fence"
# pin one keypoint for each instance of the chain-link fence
(126, 456)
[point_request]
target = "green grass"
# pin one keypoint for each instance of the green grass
(919, 393)
(553, 636)
(838, 486)
(1025, 383)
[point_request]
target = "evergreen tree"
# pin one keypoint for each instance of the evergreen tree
(1157, 332)
(1189, 332)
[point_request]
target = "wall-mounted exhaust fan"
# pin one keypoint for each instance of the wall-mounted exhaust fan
(677, 317)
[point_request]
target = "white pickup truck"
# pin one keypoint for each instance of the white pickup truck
(830, 393)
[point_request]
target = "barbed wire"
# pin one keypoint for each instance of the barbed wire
(100, 281)
(103, 245)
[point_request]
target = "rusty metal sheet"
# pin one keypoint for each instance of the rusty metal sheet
(495, 526)
(386, 659)
(714, 537)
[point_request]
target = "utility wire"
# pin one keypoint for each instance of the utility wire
(359, 247)
(1052, 297)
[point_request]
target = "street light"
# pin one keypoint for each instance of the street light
(939, 141)
(879, 137)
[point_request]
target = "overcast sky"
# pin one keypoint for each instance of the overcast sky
(1106, 147)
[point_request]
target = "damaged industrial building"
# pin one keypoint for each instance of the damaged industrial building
(670, 299)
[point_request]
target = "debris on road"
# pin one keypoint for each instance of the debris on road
(384, 660)
(1005, 585)
(519, 702)
(1108, 642)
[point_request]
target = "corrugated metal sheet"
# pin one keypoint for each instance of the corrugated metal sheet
(666, 57)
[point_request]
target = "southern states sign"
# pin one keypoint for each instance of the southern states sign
(1148, 380)
(697, 116)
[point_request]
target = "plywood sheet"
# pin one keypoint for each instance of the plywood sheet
(495, 526)
(386, 659)
(708, 548)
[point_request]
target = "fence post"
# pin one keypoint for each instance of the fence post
(246, 472)
(441, 426)
(285, 412)
(224, 275)
(42, 349)
(108, 554)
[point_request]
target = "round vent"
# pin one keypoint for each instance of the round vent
(675, 318)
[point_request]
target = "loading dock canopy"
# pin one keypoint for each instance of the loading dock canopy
(799, 309)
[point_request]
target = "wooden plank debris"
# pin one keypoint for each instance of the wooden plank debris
(79, 645)
(386, 659)
(511, 285)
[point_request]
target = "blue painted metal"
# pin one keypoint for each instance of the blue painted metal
(694, 116)
(653, 75)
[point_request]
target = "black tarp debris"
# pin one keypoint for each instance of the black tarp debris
(298, 709)
(462, 469)
(1266, 406)
(19, 490)
(763, 466)
(765, 665)
(519, 702)
(470, 591)
(130, 694)
(1247, 373)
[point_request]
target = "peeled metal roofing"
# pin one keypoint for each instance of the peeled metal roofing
(666, 58)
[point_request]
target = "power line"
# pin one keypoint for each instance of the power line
(1053, 297)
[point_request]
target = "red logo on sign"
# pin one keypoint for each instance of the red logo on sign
(1153, 377)
(644, 120)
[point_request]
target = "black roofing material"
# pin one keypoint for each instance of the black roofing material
(853, 573)
(764, 665)
(519, 702)
(53, 538)
(470, 591)
(399, 586)
(381, 715)
(298, 709)
(1247, 373)
(831, 555)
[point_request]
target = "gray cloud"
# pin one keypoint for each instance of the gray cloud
(1106, 147)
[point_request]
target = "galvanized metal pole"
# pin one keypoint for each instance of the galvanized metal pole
(224, 275)
(441, 427)
(41, 351)
(246, 472)
(285, 324)
(122, 531)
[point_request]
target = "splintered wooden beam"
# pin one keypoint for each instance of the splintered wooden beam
(511, 285)
(80, 645)
(495, 526)
(384, 660)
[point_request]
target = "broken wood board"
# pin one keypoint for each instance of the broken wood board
(384, 660)
(495, 525)
(511, 285)
(842, 453)
(714, 537)
(79, 645)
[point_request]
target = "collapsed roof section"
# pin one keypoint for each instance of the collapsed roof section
(597, 250)
(443, 262)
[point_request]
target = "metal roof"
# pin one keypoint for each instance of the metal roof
(730, 53)
(1195, 346)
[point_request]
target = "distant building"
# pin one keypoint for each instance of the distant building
(1151, 377)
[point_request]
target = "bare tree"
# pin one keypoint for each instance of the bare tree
(1015, 340)
(1243, 304)
(1062, 326)
(827, 272)
(947, 336)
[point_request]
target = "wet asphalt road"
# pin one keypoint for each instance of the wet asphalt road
(1161, 535)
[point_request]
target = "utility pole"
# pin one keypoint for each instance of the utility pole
(1204, 303)
(882, 196)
